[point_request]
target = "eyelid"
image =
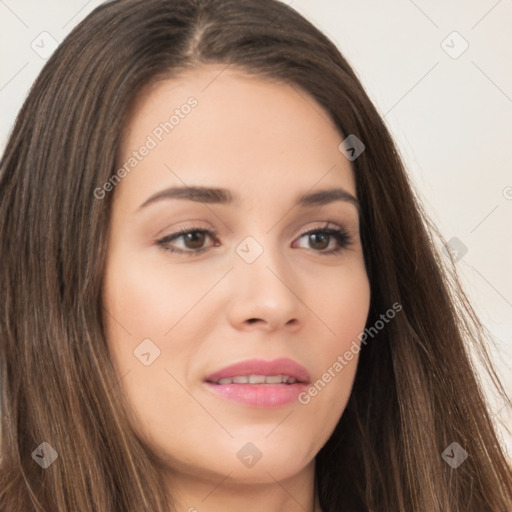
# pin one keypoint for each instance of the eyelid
(337, 231)
(183, 231)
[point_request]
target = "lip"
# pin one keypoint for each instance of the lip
(265, 396)
(260, 395)
(282, 366)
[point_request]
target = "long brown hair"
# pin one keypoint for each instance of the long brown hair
(415, 391)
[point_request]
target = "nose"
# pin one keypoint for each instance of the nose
(264, 294)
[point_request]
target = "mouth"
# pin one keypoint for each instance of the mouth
(259, 372)
(256, 379)
(260, 383)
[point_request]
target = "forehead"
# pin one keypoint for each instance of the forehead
(242, 131)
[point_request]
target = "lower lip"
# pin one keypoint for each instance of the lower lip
(259, 395)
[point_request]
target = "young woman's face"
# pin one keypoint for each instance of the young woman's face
(247, 281)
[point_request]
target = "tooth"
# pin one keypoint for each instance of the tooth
(274, 379)
(257, 379)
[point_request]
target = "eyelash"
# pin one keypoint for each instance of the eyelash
(340, 235)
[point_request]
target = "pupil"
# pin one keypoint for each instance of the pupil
(316, 236)
(198, 241)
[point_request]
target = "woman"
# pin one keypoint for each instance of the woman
(206, 230)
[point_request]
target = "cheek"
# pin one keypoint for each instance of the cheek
(147, 300)
(143, 305)
(344, 307)
(344, 310)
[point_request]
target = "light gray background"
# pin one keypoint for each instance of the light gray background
(451, 115)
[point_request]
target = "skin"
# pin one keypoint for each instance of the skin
(268, 143)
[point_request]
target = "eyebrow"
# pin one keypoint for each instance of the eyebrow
(226, 197)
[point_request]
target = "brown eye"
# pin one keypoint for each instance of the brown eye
(193, 241)
(320, 239)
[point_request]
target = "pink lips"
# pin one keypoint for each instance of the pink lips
(260, 395)
(283, 366)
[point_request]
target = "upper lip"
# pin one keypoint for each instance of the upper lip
(282, 366)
